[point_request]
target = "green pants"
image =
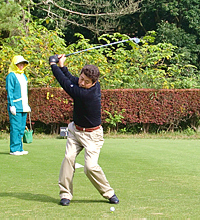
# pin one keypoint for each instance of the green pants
(17, 127)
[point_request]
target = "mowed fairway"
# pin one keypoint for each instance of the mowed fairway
(153, 178)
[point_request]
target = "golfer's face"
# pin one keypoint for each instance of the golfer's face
(85, 82)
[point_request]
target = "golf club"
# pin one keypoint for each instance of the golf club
(55, 57)
(135, 39)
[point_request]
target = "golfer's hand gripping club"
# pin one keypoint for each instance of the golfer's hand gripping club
(53, 59)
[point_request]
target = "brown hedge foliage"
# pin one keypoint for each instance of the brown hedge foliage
(153, 106)
(3, 107)
(146, 106)
(50, 105)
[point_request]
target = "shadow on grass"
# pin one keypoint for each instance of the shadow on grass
(8, 153)
(30, 196)
(44, 198)
(89, 201)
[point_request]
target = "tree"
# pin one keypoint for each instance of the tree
(10, 13)
(159, 61)
(148, 65)
(186, 42)
(185, 14)
(36, 46)
(14, 15)
(94, 16)
(176, 22)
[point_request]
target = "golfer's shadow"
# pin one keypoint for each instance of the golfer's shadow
(44, 198)
(88, 201)
(30, 196)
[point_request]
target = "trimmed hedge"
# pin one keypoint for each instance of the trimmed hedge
(144, 106)
(151, 106)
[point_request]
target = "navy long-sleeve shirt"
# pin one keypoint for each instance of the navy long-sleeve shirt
(87, 102)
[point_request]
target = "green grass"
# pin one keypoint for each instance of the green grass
(153, 178)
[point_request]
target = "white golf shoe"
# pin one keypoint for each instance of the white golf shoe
(19, 153)
(24, 152)
(16, 153)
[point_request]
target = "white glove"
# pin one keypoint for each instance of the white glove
(13, 110)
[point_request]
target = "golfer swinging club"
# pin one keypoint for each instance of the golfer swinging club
(85, 132)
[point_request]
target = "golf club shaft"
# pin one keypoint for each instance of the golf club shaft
(136, 40)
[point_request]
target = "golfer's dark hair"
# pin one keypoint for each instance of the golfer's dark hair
(91, 72)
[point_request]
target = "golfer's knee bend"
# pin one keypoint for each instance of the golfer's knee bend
(90, 168)
(86, 170)
(69, 159)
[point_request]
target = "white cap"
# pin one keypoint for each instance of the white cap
(20, 59)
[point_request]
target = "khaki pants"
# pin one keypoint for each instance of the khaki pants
(92, 142)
